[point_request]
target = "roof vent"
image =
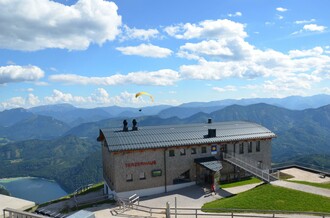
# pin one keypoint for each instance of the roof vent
(209, 120)
(134, 128)
(125, 128)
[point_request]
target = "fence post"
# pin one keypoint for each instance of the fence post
(196, 212)
(176, 206)
(168, 210)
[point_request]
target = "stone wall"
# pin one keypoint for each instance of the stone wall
(132, 170)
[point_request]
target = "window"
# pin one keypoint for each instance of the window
(129, 177)
(193, 151)
(258, 146)
(224, 148)
(259, 164)
(241, 148)
(203, 150)
(250, 147)
(171, 153)
(156, 173)
(182, 151)
(142, 176)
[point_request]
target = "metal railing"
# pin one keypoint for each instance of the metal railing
(225, 212)
(251, 166)
(13, 213)
(126, 203)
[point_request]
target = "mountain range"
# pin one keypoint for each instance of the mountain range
(74, 116)
(58, 141)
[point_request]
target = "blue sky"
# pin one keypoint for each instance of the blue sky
(93, 53)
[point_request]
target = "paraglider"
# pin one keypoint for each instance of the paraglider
(144, 93)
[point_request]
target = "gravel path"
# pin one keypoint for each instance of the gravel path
(303, 188)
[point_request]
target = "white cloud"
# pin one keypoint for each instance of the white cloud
(233, 57)
(224, 48)
(305, 53)
(225, 89)
(163, 77)
(314, 27)
(268, 64)
(208, 29)
(99, 97)
(280, 17)
(268, 23)
(16, 102)
(326, 90)
(291, 83)
(60, 97)
(32, 100)
(15, 73)
(304, 21)
(146, 50)
(237, 14)
(34, 25)
(281, 9)
(142, 34)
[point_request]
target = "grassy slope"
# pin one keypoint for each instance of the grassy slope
(268, 197)
(252, 180)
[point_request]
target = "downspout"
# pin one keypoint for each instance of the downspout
(234, 156)
(165, 170)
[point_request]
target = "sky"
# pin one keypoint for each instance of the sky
(98, 53)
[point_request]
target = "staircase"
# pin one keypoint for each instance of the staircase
(251, 166)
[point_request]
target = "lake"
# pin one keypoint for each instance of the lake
(33, 189)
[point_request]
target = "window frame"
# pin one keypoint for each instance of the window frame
(182, 151)
(250, 147)
(203, 150)
(171, 153)
(258, 147)
(144, 176)
(193, 151)
(129, 177)
(241, 148)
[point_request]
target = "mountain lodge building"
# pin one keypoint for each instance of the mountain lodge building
(156, 159)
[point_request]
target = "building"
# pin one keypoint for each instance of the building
(157, 159)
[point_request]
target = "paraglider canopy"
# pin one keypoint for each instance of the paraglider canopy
(144, 93)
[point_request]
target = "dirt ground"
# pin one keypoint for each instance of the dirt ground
(304, 175)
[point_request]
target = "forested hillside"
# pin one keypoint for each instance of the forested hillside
(65, 160)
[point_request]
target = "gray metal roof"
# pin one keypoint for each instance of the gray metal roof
(180, 135)
(210, 163)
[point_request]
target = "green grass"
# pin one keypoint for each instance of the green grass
(268, 197)
(251, 180)
(319, 185)
(285, 176)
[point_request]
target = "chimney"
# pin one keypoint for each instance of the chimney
(125, 128)
(134, 128)
(212, 133)
(209, 120)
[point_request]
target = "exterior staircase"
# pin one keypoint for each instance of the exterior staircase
(251, 166)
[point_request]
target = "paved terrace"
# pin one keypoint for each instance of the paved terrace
(195, 196)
